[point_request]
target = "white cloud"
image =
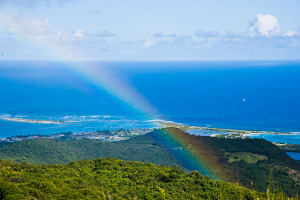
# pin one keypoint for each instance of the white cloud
(17, 27)
(23, 25)
(162, 39)
(79, 33)
(290, 33)
(32, 3)
(39, 29)
(264, 25)
(148, 42)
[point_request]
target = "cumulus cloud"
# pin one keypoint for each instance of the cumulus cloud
(158, 45)
(228, 44)
(264, 25)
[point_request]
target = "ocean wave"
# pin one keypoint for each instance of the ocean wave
(5, 115)
(86, 117)
(95, 116)
(163, 121)
(296, 133)
(67, 119)
(106, 116)
(31, 121)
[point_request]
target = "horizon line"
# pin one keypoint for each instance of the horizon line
(166, 60)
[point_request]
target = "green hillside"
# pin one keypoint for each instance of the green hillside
(50, 151)
(248, 162)
(112, 179)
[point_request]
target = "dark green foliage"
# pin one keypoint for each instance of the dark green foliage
(291, 147)
(111, 179)
(258, 146)
(257, 175)
(141, 148)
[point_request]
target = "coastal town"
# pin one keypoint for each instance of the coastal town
(123, 134)
(105, 135)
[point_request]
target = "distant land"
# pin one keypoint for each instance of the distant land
(216, 131)
(193, 130)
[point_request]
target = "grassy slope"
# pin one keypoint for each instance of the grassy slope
(111, 179)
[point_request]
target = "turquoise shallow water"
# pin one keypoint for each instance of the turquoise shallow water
(290, 139)
(295, 156)
(238, 95)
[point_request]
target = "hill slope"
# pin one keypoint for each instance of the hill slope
(49, 151)
(248, 162)
(111, 179)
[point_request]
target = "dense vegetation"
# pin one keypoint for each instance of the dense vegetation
(50, 151)
(270, 160)
(249, 162)
(113, 179)
(291, 147)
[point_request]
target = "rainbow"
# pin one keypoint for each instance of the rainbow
(120, 88)
(178, 146)
(183, 151)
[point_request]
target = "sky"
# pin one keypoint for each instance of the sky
(150, 30)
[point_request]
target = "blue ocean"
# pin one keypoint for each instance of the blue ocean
(250, 95)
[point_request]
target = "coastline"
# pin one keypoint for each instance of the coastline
(221, 131)
(123, 134)
(103, 135)
(158, 123)
(207, 130)
(31, 121)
